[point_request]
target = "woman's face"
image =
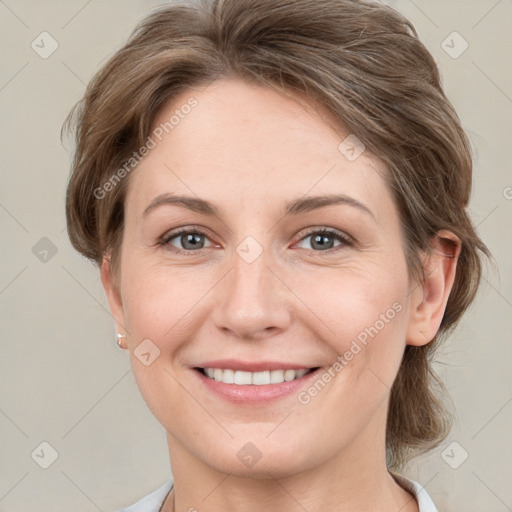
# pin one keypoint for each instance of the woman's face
(254, 288)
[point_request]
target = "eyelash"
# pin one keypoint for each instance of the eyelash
(166, 239)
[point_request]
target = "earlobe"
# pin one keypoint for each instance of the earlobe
(113, 295)
(428, 300)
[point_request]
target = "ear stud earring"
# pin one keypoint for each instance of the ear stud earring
(120, 338)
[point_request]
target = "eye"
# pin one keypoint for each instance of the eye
(190, 240)
(323, 239)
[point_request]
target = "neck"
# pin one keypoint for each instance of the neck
(346, 482)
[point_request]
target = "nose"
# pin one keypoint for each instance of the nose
(252, 302)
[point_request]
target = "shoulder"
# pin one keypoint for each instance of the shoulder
(151, 502)
(425, 503)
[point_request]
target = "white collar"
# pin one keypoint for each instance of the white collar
(153, 501)
(425, 503)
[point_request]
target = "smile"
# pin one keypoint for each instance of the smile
(253, 383)
(244, 378)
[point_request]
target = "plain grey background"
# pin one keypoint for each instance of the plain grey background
(64, 381)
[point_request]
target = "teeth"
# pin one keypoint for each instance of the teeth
(228, 376)
(241, 378)
(289, 375)
(260, 378)
(256, 378)
(276, 376)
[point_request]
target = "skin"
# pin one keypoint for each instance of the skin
(250, 150)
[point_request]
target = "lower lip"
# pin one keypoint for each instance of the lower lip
(252, 394)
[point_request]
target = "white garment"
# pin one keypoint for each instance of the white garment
(153, 501)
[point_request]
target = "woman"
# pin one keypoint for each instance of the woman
(275, 193)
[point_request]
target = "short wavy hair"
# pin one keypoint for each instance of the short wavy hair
(365, 63)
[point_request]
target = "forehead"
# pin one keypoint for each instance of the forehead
(253, 145)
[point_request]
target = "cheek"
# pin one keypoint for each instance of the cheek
(362, 316)
(160, 302)
(160, 318)
(366, 316)
(164, 308)
(349, 302)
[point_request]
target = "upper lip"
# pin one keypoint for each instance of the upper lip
(252, 366)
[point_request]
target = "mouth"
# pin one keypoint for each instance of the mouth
(266, 383)
(261, 378)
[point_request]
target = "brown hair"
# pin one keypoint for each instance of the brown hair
(364, 62)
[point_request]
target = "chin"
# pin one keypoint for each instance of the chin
(262, 458)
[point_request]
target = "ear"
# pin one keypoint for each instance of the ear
(113, 295)
(428, 299)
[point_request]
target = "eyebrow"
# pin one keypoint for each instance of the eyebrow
(295, 207)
